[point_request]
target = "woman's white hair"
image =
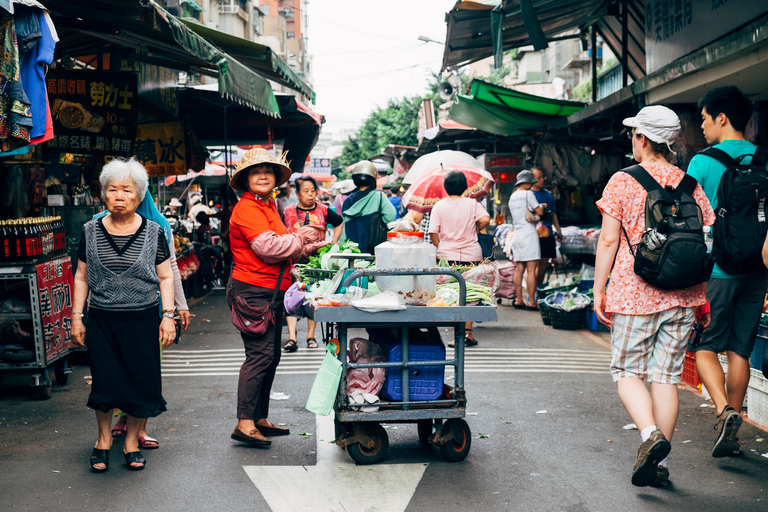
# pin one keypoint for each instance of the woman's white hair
(120, 169)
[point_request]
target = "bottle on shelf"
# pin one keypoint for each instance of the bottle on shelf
(3, 243)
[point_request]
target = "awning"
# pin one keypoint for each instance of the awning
(255, 56)
(158, 38)
(470, 37)
(193, 6)
(216, 121)
(507, 112)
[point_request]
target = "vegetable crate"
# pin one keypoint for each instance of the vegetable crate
(593, 324)
(567, 320)
(690, 373)
(544, 312)
(757, 395)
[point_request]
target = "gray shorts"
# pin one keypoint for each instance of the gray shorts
(736, 308)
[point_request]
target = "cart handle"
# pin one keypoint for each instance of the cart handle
(437, 271)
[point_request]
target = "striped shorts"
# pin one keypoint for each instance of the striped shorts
(651, 347)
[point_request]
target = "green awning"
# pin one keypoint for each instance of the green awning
(236, 81)
(507, 112)
(258, 57)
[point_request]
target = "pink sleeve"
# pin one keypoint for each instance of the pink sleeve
(272, 248)
(610, 203)
(434, 221)
(706, 208)
(480, 211)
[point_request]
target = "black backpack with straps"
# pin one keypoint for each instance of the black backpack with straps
(740, 220)
(672, 253)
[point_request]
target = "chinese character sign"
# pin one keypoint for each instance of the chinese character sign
(161, 149)
(93, 111)
(55, 287)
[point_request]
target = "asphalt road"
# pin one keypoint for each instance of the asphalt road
(546, 422)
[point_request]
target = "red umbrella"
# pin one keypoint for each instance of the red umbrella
(428, 188)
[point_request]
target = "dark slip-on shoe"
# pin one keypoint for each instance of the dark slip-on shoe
(255, 438)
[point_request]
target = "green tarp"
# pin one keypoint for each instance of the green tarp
(507, 112)
(255, 56)
(236, 81)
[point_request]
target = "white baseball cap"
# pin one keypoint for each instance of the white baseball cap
(656, 122)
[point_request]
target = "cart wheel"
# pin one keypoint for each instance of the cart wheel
(363, 455)
(41, 392)
(498, 301)
(457, 450)
(425, 430)
(61, 376)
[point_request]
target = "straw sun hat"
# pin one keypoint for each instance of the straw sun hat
(258, 156)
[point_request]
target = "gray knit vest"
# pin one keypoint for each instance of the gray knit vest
(136, 288)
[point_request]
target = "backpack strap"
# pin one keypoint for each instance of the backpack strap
(647, 181)
(761, 157)
(719, 155)
(687, 185)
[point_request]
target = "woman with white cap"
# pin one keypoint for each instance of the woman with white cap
(649, 326)
(523, 208)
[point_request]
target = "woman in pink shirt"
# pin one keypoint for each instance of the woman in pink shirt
(453, 227)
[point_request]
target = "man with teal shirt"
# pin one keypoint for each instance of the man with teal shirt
(736, 300)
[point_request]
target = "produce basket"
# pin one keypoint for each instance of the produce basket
(544, 311)
(567, 320)
(314, 275)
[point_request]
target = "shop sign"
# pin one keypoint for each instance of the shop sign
(93, 111)
(320, 166)
(674, 28)
(160, 147)
(496, 161)
(157, 85)
(54, 286)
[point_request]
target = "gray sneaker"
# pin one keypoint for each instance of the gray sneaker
(727, 426)
(651, 452)
(662, 477)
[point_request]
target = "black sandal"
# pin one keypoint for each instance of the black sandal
(469, 342)
(134, 458)
(311, 343)
(99, 457)
(291, 346)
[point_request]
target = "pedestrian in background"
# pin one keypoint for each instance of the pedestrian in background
(736, 300)
(308, 212)
(395, 197)
(359, 207)
(122, 259)
(649, 326)
(453, 227)
(262, 250)
(523, 209)
(548, 243)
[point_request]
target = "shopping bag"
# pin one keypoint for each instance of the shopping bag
(326, 384)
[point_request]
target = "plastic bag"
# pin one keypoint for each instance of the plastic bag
(365, 380)
(568, 301)
(443, 278)
(293, 300)
(434, 302)
(326, 384)
(485, 274)
(385, 301)
(406, 226)
(587, 273)
(447, 295)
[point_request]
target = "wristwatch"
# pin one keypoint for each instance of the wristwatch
(75, 117)
(168, 315)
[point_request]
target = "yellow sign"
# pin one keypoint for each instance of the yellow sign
(160, 147)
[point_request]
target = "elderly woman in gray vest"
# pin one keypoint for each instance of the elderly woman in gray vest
(123, 258)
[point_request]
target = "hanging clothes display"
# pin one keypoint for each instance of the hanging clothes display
(15, 112)
(33, 65)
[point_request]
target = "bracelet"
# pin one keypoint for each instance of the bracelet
(81, 315)
(169, 311)
(168, 315)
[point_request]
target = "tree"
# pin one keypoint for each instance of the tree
(394, 124)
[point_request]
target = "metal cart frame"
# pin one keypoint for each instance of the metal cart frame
(361, 432)
(41, 382)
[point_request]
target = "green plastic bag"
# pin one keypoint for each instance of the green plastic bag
(326, 384)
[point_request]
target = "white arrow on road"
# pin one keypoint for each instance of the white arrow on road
(336, 483)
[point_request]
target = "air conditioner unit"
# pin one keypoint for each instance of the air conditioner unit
(228, 8)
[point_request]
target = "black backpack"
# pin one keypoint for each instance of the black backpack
(740, 220)
(377, 233)
(681, 259)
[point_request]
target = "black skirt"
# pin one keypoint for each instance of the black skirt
(124, 354)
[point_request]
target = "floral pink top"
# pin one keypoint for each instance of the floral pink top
(624, 200)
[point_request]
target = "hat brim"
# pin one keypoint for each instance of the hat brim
(632, 122)
(530, 181)
(285, 175)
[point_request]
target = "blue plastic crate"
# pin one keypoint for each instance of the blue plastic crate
(586, 285)
(426, 382)
(593, 324)
(761, 345)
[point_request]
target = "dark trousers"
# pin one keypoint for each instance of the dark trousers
(262, 355)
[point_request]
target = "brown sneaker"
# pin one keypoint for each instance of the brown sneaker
(727, 426)
(662, 477)
(253, 437)
(649, 454)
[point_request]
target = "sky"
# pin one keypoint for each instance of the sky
(367, 51)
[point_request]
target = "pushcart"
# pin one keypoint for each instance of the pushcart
(46, 288)
(440, 421)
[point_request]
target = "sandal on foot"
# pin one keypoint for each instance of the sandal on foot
(311, 343)
(469, 342)
(519, 306)
(291, 346)
(119, 430)
(134, 458)
(99, 457)
(273, 430)
(148, 443)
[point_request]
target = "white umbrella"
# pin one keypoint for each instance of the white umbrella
(433, 160)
